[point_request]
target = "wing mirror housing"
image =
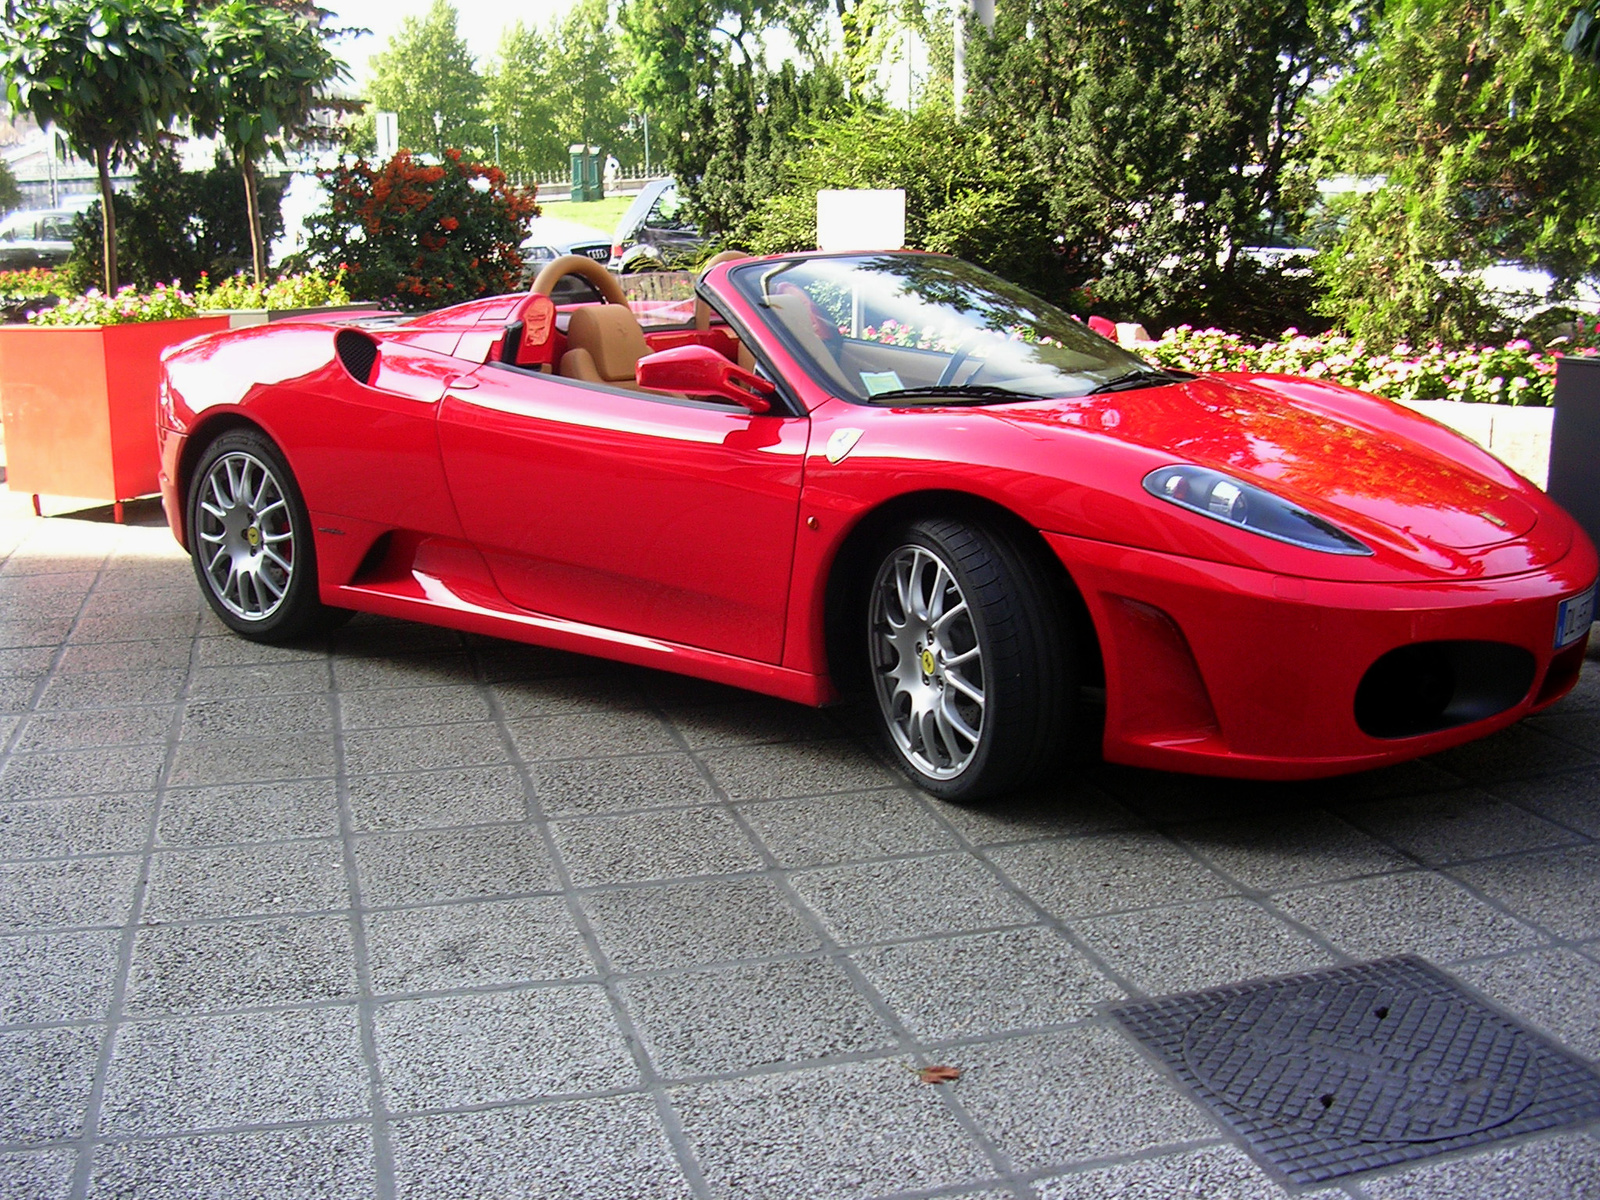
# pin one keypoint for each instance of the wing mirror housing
(701, 371)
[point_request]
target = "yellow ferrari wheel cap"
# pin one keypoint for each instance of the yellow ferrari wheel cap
(927, 662)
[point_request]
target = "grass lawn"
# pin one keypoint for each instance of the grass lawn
(600, 214)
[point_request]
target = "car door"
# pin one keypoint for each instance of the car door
(632, 511)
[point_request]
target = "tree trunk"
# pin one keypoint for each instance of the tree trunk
(252, 207)
(108, 218)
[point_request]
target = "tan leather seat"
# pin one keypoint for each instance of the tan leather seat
(604, 345)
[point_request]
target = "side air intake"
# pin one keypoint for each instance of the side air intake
(358, 352)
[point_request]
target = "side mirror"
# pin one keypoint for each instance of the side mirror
(701, 371)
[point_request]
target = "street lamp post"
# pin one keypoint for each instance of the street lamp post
(438, 133)
(984, 11)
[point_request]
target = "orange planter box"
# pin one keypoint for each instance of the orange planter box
(79, 405)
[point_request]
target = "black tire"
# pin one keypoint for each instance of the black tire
(250, 540)
(1011, 644)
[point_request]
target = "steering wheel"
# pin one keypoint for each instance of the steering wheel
(576, 264)
(950, 368)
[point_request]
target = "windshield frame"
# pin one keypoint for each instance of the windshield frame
(756, 281)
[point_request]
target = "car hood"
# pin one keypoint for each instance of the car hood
(1373, 467)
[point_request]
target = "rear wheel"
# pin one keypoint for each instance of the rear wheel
(970, 659)
(250, 538)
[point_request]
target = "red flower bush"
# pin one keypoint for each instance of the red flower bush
(422, 235)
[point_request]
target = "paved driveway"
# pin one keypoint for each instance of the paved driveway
(419, 915)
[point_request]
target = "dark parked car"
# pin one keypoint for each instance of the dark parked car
(37, 238)
(656, 233)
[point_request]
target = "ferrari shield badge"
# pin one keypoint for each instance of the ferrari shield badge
(841, 443)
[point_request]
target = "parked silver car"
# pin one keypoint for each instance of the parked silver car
(40, 237)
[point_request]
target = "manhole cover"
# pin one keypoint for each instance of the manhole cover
(1345, 1070)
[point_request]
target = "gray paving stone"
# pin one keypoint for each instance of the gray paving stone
(57, 976)
(585, 735)
(1579, 728)
(1558, 890)
(751, 721)
(166, 654)
(611, 1149)
(16, 692)
(240, 964)
(474, 945)
(289, 756)
(1105, 873)
(908, 897)
(1572, 799)
(75, 772)
(520, 1045)
(950, 988)
(830, 1133)
(1409, 913)
(246, 881)
(253, 718)
(653, 845)
(181, 597)
(665, 926)
(227, 649)
(1188, 947)
(1562, 1168)
(384, 707)
(1447, 827)
(846, 827)
(553, 697)
(30, 591)
(370, 636)
(422, 748)
(1289, 849)
(330, 1162)
(502, 661)
(431, 799)
(81, 825)
(1054, 1099)
(37, 1174)
(45, 1076)
(133, 627)
(84, 891)
(1068, 809)
(796, 769)
(1209, 1173)
(34, 631)
(355, 672)
(599, 785)
(1513, 753)
(28, 661)
(1168, 799)
(734, 1018)
(268, 680)
(1554, 989)
(249, 812)
(1414, 778)
(95, 728)
(195, 1073)
(458, 864)
(112, 689)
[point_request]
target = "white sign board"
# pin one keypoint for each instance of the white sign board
(861, 219)
(387, 127)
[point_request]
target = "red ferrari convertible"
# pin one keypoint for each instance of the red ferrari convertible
(889, 472)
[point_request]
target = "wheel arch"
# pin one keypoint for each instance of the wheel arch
(853, 562)
(207, 430)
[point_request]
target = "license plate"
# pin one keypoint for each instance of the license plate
(1574, 617)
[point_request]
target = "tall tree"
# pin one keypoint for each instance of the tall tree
(1166, 133)
(109, 74)
(586, 69)
(265, 71)
(518, 105)
(1477, 122)
(428, 77)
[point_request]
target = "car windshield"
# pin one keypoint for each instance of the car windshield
(899, 328)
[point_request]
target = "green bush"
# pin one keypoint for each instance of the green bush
(417, 235)
(964, 196)
(308, 290)
(176, 225)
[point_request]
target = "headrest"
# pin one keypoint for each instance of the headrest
(611, 333)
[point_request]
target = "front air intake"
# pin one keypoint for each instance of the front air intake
(1431, 686)
(358, 352)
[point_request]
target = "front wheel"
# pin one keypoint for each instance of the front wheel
(250, 538)
(970, 659)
